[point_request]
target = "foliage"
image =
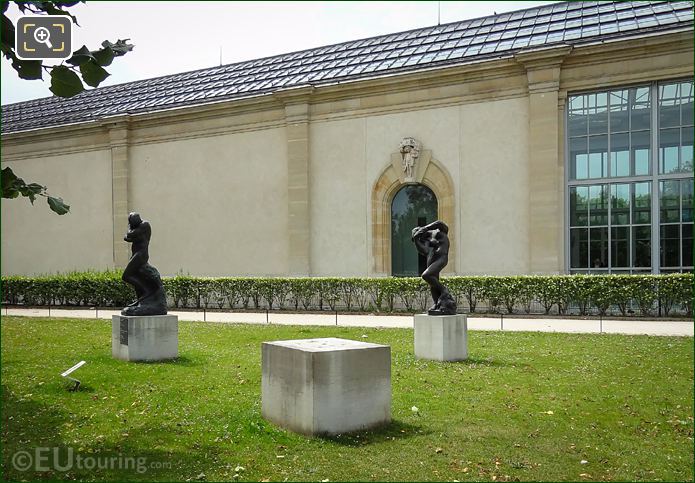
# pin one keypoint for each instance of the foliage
(84, 65)
(12, 187)
(673, 292)
(66, 81)
(568, 294)
(104, 289)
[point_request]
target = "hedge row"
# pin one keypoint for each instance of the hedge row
(562, 294)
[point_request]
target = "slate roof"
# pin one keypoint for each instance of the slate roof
(455, 43)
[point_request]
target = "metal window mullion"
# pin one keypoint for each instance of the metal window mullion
(680, 140)
(655, 198)
(674, 176)
(630, 221)
(609, 262)
(608, 134)
(679, 101)
(588, 232)
(609, 224)
(680, 224)
(568, 170)
(588, 239)
(625, 179)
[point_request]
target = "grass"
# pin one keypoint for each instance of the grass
(526, 406)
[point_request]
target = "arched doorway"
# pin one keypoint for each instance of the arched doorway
(413, 205)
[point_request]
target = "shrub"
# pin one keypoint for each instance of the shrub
(585, 293)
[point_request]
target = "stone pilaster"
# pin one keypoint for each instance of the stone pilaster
(546, 160)
(118, 128)
(296, 103)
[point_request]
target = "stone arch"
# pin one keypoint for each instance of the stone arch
(435, 177)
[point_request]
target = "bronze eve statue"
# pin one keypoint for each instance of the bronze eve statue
(145, 279)
(433, 242)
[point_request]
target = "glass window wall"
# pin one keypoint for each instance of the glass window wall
(630, 179)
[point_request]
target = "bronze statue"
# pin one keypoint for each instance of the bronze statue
(433, 242)
(145, 279)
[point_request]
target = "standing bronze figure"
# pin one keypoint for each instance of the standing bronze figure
(145, 279)
(433, 242)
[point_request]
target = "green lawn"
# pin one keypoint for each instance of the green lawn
(526, 406)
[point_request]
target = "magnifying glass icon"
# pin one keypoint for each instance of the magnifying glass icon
(43, 36)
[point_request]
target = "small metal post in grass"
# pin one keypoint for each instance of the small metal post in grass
(336, 316)
(204, 315)
(267, 317)
(49, 310)
(501, 321)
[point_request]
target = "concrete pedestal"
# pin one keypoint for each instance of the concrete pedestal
(441, 337)
(326, 386)
(144, 338)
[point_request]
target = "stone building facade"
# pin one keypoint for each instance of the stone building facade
(561, 143)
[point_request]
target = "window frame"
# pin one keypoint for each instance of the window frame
(654, 177)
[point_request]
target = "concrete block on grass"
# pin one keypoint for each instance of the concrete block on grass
(441, 337)
(144, 337)
(326, 386)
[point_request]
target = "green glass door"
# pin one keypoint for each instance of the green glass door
(414, 205)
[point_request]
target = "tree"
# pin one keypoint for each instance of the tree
(66, 81)
(12, 187)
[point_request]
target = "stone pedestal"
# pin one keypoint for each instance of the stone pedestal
(145, 338)
(441, 337)
(326, 386)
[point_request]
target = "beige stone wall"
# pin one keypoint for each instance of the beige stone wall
(494, 186)
(349, 155)
(37, 241)
(218, 205)
(339, 198)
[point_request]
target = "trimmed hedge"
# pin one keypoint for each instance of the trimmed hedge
(648, 295)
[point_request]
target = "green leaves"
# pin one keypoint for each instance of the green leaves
(92, 73)
(13, 187)
(104, 57)
(31, 191)
(65, 79)
(90, 64)
(10, 184)
(597, 292)
(121, 47)
(58, 205)
(7, 32)
(28, 69)
(80, 56)
(64, 82)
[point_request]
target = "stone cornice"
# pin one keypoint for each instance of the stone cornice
(642, 60)
(296, 101)
(543, 67)
(543, 58)
(118, 128)
(673, 40)
(295, 95)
